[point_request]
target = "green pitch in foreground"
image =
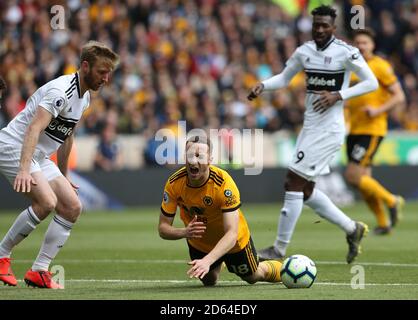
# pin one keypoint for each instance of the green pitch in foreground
(119, 255)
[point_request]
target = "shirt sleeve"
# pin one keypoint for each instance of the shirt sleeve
(293, 66)
(385, 74)
(54, 101)
(356, 63)
(230, 198)
(169, 202)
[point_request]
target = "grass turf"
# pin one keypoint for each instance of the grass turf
(119, 255)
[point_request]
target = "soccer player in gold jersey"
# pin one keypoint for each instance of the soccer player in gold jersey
(368, 126)
(215, 228)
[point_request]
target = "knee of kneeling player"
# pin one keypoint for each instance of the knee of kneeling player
(209, 281)
(249, 280)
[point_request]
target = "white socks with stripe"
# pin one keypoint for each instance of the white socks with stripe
(324, 207)
(55, 237)
(292, 208)
(24, 224)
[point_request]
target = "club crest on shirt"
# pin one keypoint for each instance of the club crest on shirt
(207, 200)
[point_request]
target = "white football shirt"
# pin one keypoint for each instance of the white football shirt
(62, 98)
(327, 68)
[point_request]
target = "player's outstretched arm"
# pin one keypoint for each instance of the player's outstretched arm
(40, 121)
(200, 267)
(397, 99)
(195, 229)
(280, 80)
(256, 91)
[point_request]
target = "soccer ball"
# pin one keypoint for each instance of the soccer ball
(298, 271)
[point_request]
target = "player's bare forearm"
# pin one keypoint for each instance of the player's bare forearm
(201, 267)
(168, 232)
(63, 154)
(28, 147)
(397, 97)
(227, 242)
(39, 122)
(24, 180)
(195, 229)
(224, 245)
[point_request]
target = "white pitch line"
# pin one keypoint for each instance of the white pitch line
(225, 282)
(378, 264)
(148, 261)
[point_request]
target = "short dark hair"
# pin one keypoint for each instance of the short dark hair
(324, 10)
(3, 85)
(366, 31)
(201, 139)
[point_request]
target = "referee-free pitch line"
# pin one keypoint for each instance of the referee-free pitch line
(156, 261)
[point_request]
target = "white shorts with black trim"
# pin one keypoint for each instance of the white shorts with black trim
(10, 162)
(314, 152)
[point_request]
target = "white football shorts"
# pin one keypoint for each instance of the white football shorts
(314, 151)
(10, 162)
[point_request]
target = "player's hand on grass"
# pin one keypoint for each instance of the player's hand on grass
(256, 91)
(199, 268)
(195, 229)
(23, 182)
(325, 101)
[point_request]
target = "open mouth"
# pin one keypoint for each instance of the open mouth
(194, 170)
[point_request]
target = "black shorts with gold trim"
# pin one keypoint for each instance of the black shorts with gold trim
(243, 263)
(361, 148)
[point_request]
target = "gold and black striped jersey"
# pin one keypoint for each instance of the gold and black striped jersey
(209, 202)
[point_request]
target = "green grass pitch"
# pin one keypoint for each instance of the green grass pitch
(119, 255)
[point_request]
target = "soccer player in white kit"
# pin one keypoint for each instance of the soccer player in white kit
(327, 62)
(46, 125)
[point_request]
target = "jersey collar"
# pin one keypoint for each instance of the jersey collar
(326, 45)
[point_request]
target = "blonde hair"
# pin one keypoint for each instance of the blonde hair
(94, 49)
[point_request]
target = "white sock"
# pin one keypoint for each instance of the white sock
(292, 208)
(324, 207)
(55, 237)
(24, 224)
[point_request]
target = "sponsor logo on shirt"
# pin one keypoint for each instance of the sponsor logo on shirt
(324, 81)
(60, 128)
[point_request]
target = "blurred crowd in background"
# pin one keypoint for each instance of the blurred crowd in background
(192, 60)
